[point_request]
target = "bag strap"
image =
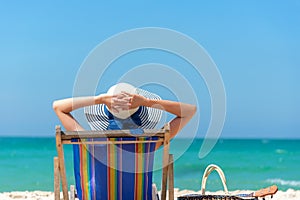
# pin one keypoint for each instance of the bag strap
(207, 172)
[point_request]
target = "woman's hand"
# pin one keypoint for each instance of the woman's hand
(105, 99)
(134, 100)
(113, 102)
(123, 101)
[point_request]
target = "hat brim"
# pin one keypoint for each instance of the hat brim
(97, 116)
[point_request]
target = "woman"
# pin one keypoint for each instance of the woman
(123, 101)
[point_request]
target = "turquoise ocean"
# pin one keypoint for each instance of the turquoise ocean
(27, 163)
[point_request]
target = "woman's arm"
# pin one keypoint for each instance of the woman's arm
(64, 107)
(184, 112)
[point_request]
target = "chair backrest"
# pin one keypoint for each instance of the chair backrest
(114, 164)
(114, 171)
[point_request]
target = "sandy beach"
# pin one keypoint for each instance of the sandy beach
(289, 194)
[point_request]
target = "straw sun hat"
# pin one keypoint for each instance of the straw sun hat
(99, 117)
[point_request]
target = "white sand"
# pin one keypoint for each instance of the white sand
(290, 194)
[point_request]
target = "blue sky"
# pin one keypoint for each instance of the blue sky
(255, 45)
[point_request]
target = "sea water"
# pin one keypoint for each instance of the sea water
(27, 164)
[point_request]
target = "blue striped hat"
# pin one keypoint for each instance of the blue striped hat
(99, 117)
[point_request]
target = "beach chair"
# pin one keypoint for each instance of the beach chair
(113, 164)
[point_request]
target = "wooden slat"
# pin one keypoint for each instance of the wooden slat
(111, 142)
(127, 131)
(61, 160)
(108, 134)
(56, 179)
(165, 164)
(171, 177)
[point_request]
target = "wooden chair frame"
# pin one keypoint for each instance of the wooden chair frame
(66, 137)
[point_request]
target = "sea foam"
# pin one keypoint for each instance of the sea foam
(284, 182)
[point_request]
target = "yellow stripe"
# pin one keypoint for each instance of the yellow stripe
(139, 171)
(85, 170)
(112, 171)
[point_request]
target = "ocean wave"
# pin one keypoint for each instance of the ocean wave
(284, 182)
(281, 151)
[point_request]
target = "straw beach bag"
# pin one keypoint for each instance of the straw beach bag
(203, 196)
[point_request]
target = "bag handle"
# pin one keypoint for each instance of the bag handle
(207, 172)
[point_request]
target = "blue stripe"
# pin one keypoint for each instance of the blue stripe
(91, 171)
(128, 168)
(76, 160)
